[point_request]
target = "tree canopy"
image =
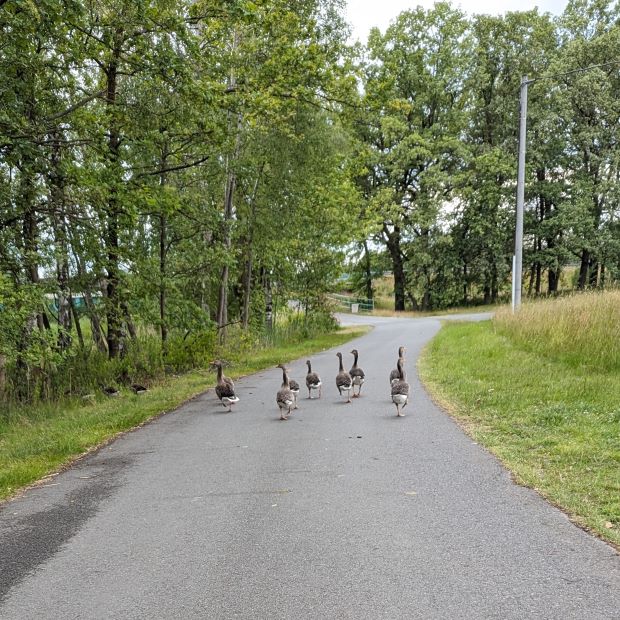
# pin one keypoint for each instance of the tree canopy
(173, 168)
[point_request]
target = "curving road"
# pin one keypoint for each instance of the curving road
(344, 511)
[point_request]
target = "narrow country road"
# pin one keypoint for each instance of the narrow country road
(344, 511)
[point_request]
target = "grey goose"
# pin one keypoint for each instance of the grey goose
(285, 398)
(394, 375)
(313, 381)
(357, 374)
(344, 382)
(400, 390)
(225, 388)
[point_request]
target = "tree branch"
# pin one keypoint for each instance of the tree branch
(75, 106)
(173, 168)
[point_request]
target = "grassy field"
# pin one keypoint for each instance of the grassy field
(542, 392)
(38, 440)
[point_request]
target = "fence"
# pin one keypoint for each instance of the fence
(352, 304)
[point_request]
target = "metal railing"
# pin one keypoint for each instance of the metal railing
(352, 304)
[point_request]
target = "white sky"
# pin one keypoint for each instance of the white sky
(364, 14)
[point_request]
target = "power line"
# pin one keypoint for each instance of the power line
(580, 70)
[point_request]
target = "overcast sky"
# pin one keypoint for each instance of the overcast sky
(364, 14)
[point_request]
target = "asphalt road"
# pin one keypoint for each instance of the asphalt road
(343, 511)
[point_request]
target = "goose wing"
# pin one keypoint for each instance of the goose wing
(400, 388)
(285, 397)
(225, 390)
(357, 372)
(312, 379)
(343, 380)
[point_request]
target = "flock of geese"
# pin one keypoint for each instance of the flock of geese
(346, 382)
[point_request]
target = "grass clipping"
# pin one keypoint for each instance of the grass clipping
(541, 390)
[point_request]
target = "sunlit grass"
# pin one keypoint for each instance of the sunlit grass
(554, 422)
(37, 440)
(580, 330)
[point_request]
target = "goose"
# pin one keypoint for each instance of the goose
(313, 381)
(357, 374)
(394, 375)
(136, 388)
(225, 388)
(294, 387)
(400, 389)
(110, 391)
(344, 383)
(285, 397)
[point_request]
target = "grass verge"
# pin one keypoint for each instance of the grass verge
(554, 424)
(39, 440)
(417, 314)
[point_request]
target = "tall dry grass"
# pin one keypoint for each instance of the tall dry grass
(582, 329)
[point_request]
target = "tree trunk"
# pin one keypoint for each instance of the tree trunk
(594, 279)
(465, 299)
(530, 285)
(247, 274)
(95, 323)
(76, 320)
(426, 299)
(222, 303)
(30, 241)
(2, 376)
(494, 284)
(393, 245)
(268, 302)
(131, 328)
(553, 281)
(113, 305)
(231, 182)
(368, 272)
(163, 327)
(163, 251)
(583, 270)
(57, 207)
(486, 300)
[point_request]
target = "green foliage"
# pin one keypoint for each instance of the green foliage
(437, 150)
(182, 168)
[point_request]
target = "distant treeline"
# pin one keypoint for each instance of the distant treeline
(438, 160)
(186, 166)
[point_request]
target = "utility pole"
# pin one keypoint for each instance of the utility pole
(517, 271)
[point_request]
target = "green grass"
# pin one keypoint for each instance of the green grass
(416, 314)
(36, 441)
(554, 423)
(582, 329)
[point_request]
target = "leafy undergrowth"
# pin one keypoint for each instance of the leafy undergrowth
(38, 440)
(555, 424)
